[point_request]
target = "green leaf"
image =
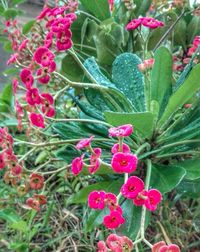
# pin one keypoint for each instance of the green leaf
(10, 13)
(166, 177)
(99, 8)
(182, 95)
(6, 98)
(67, 153)
(193, 28)
(161, 77)
(9, 215)
(143, 122)
(7, 47)
(129, 80)
(82, 195)
(189, 188)
(27, 27)
(15, 2)
(20, 226)
(180, 33)
(132, 215)
(71, 68)
(142, 7)
(192, 167)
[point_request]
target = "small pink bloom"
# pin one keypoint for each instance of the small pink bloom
(27, 77)
(44, 12)
(115, 208)
(12, 59)
(151, 23)
(16, 170)
(154, 197)
(114, 242)
(196, 41)
(141, 198)
(2, 163)
(133, 24)
(147, 64)
(96, 200)
(23, 45)
(157, 246)
(191, 51)
(94, 160)
(37, 120)
(84, 143)
(127, 243)
(71, 16)
(102, 247)
(125, 148)
(61, 25)
(33, 203)
(124, 162)
(187, 105)
(121, 131)
(48, 40)
(113, 220)
(47, 102)
(110, 199)
(43, 56)
(15, 84)
(42, 76)
(63, 42)
(33, 97)
(132, 187)
(111, 5)
(77, 165)
(58, 11)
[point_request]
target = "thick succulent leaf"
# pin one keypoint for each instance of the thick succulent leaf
(192, 167)
(99, 8)
(193, 28)
(182, 95)
(143, 122)
(188, 188)
(128, 78)
(132, 215)
(166, 177)
(161, 77)
(142, 7)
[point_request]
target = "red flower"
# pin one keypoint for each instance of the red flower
(77, 165)
(110, 199)
(132, 187)
(64, 41)
(41, 198)
(33, 203)
(2, 163)
(32, 96)
(134, 24)
(36, 181)
(96, 200)
(125, 148)
(37, 120)
(151, 23)
(95, 161)
(124, 162)
(43, 56)
(27, 77)
(84, 143)
(102, 247)
(113, 220)
(162, 247)
(47, 104)
(154, 197)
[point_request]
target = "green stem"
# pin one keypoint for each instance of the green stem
(178, 154)
(142, 147)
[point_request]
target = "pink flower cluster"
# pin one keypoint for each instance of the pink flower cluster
(149, 22)
(162, 247)
(99, 200)
(196, 43)
(115, 243)
(146, 64)
(58, 24)
(95, 162)
(8, 158)
(134, 189)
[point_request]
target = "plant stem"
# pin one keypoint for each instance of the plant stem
(142, 147)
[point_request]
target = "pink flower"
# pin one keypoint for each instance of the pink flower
(48, 40)
(102, 247)
(33, 203)
(95, 161)
(6, 140)
(147, 64)
(110, 199)
(84, 143)
(42, 76)
(43, 56)
(2, 163)
(96, 200)
(47, 102)
(115, 208)
(23, 45)
(121, 131)
(132, 187)
(196, 41)
(27, 77)
(191, 51)
(12, 59)
(134, 24)
(162, 247)
(140, 199)
(114, 243)
(154, 197)
(125, 148)
(64, 41)
(33, 97)
(15, 84)
(16, 170)
(151, 23)
(77, 165)
(124, 162)
(44, 12)
(61, 25)
(126, 243)
(114, 220)
(111, 5)
(37, 120)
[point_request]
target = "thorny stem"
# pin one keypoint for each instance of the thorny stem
(142, 224)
